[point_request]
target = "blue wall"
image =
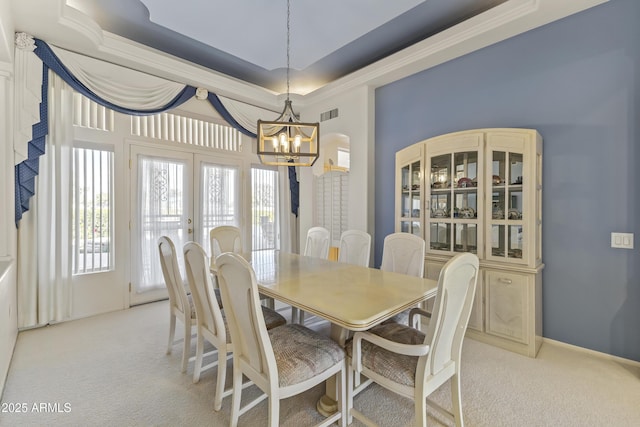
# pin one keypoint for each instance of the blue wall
(577, 81)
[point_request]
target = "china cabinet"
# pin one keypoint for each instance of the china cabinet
(480, 191)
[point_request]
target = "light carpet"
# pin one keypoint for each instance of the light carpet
(112, 370)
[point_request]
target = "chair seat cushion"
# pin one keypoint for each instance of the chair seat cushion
(402, 318)
(301, 353)
(396, 367)
(272, 318)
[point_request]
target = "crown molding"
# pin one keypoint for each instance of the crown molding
(70, 28)
(507, 20)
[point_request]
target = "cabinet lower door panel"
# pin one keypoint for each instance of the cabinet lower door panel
(507, 305)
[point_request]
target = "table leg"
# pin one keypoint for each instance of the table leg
(328, 403)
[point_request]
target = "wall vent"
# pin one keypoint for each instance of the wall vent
(328, 115)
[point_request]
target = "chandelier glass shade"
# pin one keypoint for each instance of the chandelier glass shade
(286, 141)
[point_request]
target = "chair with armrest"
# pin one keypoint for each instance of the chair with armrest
(180, 303)
(211, 322)
(412, 363)
(282, 362)
(355, 248)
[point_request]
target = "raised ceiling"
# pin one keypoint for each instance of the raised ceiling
(247, 39)
(234, 47)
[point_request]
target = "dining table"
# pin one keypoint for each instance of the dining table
(352, 298)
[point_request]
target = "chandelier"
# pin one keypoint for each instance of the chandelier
(286, 141)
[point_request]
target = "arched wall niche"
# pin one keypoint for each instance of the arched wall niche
(330, 145)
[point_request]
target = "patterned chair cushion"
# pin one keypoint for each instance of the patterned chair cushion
(272, 318)
(396, 367)
(402, 318)
(301, 353)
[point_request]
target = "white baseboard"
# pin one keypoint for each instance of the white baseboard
(599, 354)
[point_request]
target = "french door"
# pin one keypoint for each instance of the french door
(180, 195)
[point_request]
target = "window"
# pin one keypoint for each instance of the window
(92, 210)
(264, 208)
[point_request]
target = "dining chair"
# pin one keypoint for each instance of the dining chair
(227, 238)
(224, 238)
(282, 362)
(412, 363)
(403, 253)
(355, 248)
(180, 303)
(211, 322)
(318, 241)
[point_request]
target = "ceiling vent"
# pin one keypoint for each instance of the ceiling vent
(328, 115)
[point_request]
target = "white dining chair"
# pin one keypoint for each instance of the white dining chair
(318, 241)
(355, 248)
(403, 253)
(317, 245)
(414, 364)
(282, 362)
(227, 238)
(211, 322)
(224, 238)
(180, 303)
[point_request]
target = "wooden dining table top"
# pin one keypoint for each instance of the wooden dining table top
(349, 296)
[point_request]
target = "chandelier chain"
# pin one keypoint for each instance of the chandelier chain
(288, 42)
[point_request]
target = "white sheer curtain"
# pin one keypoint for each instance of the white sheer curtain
(163, 210)
(44, 250)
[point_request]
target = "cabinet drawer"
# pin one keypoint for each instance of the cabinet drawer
(507, 305)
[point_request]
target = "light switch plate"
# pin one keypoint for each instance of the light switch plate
(622, 240)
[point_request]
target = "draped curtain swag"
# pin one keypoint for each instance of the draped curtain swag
(133, 93)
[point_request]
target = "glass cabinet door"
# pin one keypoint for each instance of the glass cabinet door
(410, 199)
(454, 202)
(507, 205)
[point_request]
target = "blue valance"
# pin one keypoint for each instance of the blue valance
(26, 171)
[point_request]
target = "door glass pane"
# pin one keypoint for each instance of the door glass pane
(497, 240)
(515, 205)
(219, 199)
(440, 205)
(162, 211)
(440, 236)
(515, 168)
(497, 203)
(440, 172)
(465, 238)
(415, 228)
(466, 169)
(264, 208)
(515, 242)
(499, 168)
